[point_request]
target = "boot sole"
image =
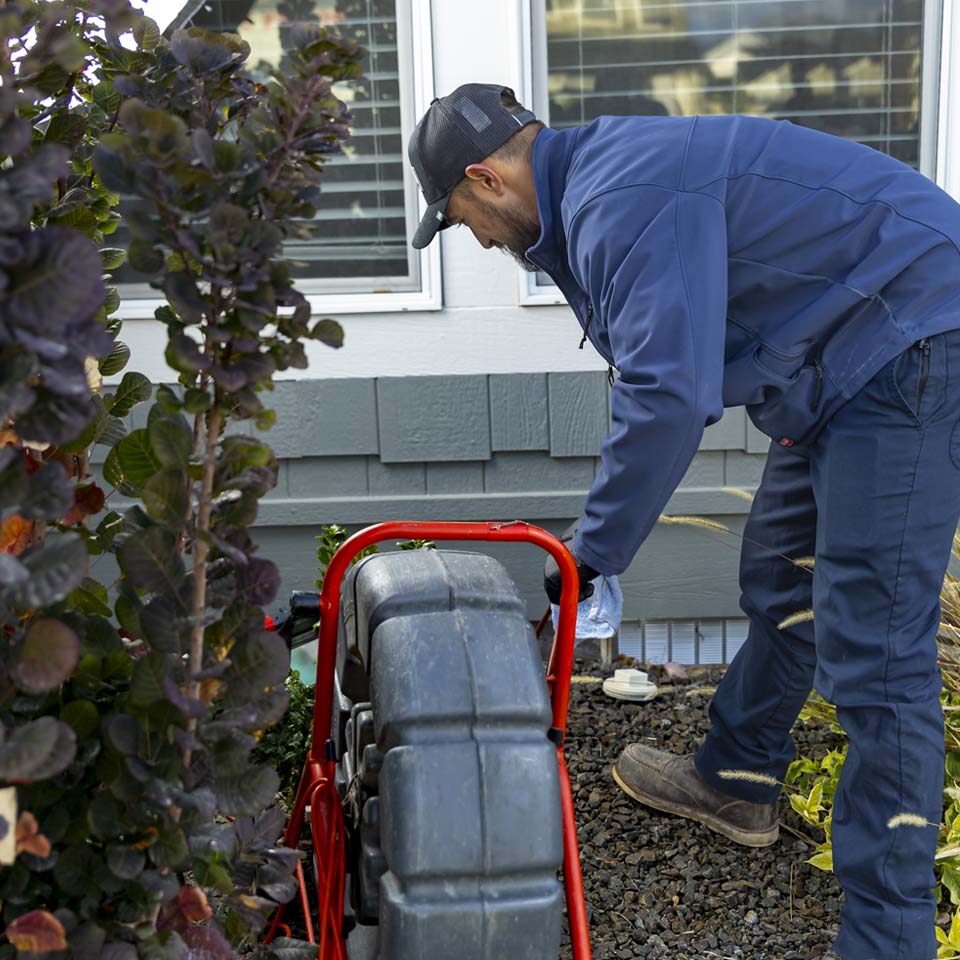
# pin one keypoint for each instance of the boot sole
(746, 838)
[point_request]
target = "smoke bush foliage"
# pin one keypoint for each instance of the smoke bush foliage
(129, 710)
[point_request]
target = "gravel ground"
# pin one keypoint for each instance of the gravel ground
(660, 886)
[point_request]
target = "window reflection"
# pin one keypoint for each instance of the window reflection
(358, 238)
(847, 67)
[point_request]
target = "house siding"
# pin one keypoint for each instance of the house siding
(498, 447)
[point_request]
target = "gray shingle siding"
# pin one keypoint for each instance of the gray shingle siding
(496, 447)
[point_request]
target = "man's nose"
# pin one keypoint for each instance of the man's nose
(484, 242)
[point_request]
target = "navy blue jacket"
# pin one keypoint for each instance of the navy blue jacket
(720, 261)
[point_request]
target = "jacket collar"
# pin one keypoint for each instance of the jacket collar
(551, 159)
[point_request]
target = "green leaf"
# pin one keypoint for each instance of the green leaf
(101, 639)
(171, 850)
(48, 656)
(107, 530)
(213, 875)
(134, 388)
(113, 257)
(128, 608)
(116, 360)
(136, 460)
(183, 353)
(113, 168)
(170, 440)
(196, 401)
(74, 869)
(145, 256)
(102, 428)
(160, 622)
(329, 332)
(165, 498)
(146, 684)
(147, 34)
(950, 878)
(150, 560)
(37, 750)
(239, 453)
(113, 474)
(105, 813)
(66, 129)
(822, 861)
(952, 764)
(168, 400)
(90, 597)
(142, 222)
(55, 569)
(82, 716)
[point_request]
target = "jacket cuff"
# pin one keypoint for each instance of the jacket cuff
(592, 559)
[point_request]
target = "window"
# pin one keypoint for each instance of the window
(358, 256)
(851, 68)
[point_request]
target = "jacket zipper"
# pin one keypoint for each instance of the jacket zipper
(586, 326)
(924, 346)
(819, 389)
(611, 377)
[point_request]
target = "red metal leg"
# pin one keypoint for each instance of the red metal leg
(572, 877)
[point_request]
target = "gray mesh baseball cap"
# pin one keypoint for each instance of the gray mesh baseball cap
(462, 128)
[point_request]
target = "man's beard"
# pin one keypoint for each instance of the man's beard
(524, 232)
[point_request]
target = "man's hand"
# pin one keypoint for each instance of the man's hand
(551, 572)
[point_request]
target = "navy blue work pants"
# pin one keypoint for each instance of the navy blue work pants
(876, 501)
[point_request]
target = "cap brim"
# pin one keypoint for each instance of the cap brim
(433, 220)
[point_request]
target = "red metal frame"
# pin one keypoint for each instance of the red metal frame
(317, 790)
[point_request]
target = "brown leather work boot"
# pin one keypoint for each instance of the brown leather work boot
(667, 782)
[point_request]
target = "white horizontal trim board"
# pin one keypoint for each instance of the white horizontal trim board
(461, 340)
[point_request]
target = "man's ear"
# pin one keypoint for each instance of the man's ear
(484, 177)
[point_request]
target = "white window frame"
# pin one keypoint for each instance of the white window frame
(948, 94)
(939, 109)
(416, 14)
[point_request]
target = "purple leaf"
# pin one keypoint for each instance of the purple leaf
(49, 655)
(207, 943)
(188, 706)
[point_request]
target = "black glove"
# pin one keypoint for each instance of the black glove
(551, 572)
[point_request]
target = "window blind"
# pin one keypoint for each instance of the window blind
(359, 237)
(360, 229)
(848, 67)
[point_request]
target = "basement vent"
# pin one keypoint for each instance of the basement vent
(683, 641)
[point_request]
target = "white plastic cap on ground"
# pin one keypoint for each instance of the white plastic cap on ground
(630, 685)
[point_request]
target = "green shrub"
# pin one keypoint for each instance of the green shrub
(129, 711)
